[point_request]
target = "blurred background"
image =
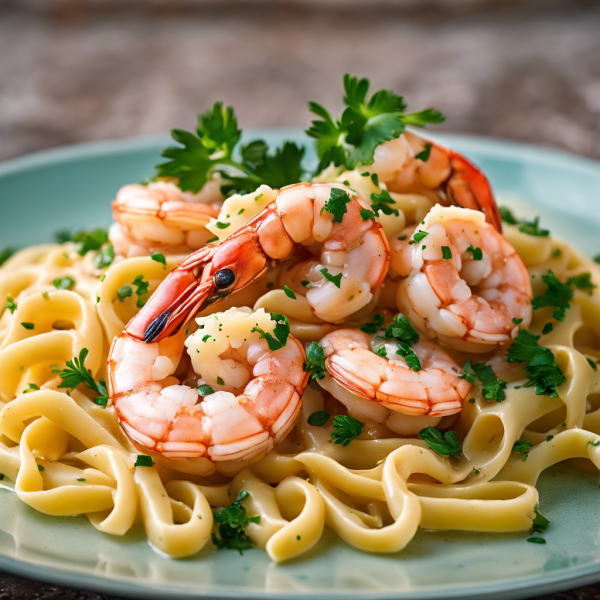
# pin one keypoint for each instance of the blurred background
(79, 70)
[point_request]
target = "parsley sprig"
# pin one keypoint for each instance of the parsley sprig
(76, 373)
(402, 331)
(541, 368)
(529, 227)
(367, 122)
(336, 204)
(210, 148)
(232, 522)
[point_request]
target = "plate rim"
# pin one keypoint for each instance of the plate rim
(63, 576)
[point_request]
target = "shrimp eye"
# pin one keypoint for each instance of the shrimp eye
(224, 278)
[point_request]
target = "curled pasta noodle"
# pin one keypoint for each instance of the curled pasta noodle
(67, 454)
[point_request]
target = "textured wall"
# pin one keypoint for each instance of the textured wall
(75, 71)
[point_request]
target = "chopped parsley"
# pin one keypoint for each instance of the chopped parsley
(529, 227)
(29, 326)
(105, 256)
(366, 214)
(205, 390)
(493, 388)
(281, 331)
(381, 351)
(319, 418)
(64, 283)
(592, 364)
(89, 240)
(381, 203)
(548, 327)
(541, 368)
(424, 154)
(365, 123)
(445, 444)
(124, 292)
(220, 225)
(141, 290)
(75, 373)
(232, 522)
(81, 479)
(540, 523)
(582, 282)
(476, 253)
(345, 429)
(289, 292)
(159, 258)
(11, 304)
(557, 296)
(402, 331)
(143, 461)
(374, 325)
(336, 205)
(315, 361)
(446, 253)
(522, 447)
(418, 236)
(306, 284)
(335, 279)
(31, 387)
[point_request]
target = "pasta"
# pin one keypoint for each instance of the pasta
(408, 435)
(374, 493)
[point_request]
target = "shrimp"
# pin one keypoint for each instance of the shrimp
(386, 381)
(247, 400)
(445, 176)
(161, 217)
(467, 287)
(353, 254)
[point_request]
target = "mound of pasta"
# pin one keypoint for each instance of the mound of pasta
(366, 348)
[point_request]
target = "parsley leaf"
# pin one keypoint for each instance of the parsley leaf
(289, 292)
(541, 368)
(90, 240)
(142, 461)
(381, 201)
(366, 214)
(336, 205)
(232, 522)
(105, 256)
(522, 447)
(493, 388)
(402, 330)
(315, 361)
(529, 227)
(418, 236)
(582, 282)
(205, 390)
(335, 279)
(408, 354)
(345, 429)
(281, 331)
(11, 305)
(124, 292)
(319, 418)
(374, 325)
(446, 253)
(557, 295)
(476, 253)
(64, 283)
(365, 123)
(424, 154)
(446, 444)
(159, 258)
(141, 290)
(75, 373)
(201, 152)
(5, 255)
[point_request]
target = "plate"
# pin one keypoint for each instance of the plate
(70, 188)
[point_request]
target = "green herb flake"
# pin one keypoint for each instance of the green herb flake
(289, 293)
(41, 468)
(318, 418)
(476, 253)
(11, 305)
(592, 364)
(81, 479)
(367, 214)
(418, 236)
(281, 331)
(424, 154)
(444, 444)
(374, 325)
(336, 205)
(205, 390)
(522, 447)
(143, 461)
(345, 429)
(220, 381)
(64, 283)
(105, 256)
(335, 279)
(446, 253)
(315, 361)
(159, 258)
(124, 292)
(29, 326)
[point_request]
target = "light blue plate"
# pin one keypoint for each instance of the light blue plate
(71, 188)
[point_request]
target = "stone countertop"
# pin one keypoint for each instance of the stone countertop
(73, 71)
